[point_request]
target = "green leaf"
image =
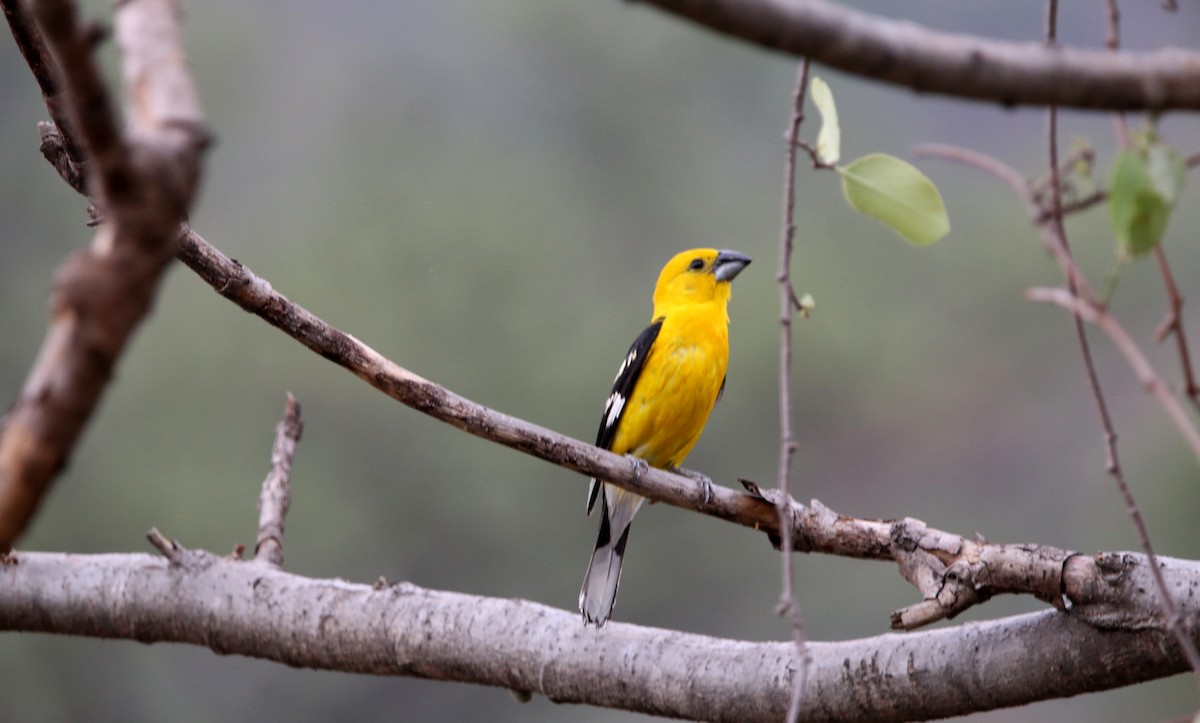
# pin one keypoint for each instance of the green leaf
(1137, 204)
(829, 139)
(1167, 171)
(898, 195)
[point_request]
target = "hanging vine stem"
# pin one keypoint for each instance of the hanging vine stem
(788, 303)
(1058, 231)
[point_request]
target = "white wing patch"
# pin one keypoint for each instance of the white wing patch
(612, 409)
(626, 364)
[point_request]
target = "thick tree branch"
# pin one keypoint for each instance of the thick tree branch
(245, 608)
(144, 184)
(907, 54)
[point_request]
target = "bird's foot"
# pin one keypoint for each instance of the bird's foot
(639, 466)
(706, 483)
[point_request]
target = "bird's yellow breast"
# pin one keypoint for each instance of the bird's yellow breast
(678, 388)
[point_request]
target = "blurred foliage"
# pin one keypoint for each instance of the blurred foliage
(485, 192)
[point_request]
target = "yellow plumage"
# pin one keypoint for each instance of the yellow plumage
(662, 396)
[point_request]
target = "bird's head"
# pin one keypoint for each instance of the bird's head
(698, 276)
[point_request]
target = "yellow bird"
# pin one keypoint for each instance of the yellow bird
(665, 389)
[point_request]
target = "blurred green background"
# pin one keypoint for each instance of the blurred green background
(485, 192)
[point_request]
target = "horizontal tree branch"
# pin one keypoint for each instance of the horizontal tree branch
(910, 55)
(253, 609)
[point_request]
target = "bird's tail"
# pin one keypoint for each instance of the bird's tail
(599, 591)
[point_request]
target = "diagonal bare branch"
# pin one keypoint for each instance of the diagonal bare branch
(144, 184)
(1141, 366)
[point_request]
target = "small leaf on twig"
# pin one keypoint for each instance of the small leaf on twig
(829, 138)
(897, 195)
(1145, 184)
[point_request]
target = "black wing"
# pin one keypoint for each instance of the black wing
(614, 407)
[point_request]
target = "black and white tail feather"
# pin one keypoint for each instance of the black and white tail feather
(617, 506)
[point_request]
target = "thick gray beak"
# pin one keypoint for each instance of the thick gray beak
(730, 264)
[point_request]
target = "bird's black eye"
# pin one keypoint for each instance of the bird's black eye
(696, 264)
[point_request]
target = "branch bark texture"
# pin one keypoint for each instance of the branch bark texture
(253, 609)
(906, 54)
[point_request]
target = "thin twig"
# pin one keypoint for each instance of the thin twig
(981, 161)
(1173, 324)
(1051, 35)
(276, 494)
(812, 152)
(1085, 155)
(1080, 204)
(170, 549)
(1112, 37)
(1024, 191)
(788, 605)
(1141, 366)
